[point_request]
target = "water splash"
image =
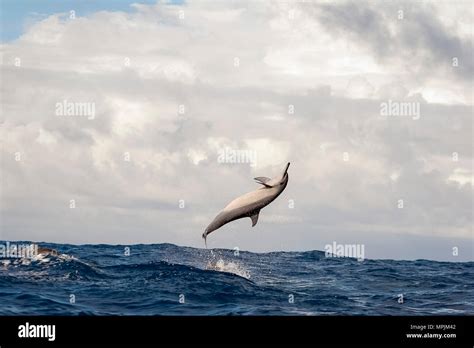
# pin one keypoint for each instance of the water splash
(221, 265)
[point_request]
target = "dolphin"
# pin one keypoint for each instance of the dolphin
(47, 251)
(250, 204)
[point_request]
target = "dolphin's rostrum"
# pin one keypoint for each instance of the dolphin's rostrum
(250, 204)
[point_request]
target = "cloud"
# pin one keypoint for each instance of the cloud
(410, 32)
(172, 85)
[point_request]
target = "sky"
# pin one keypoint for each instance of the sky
(114, 117)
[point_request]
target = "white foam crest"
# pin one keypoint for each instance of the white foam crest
(230, 267)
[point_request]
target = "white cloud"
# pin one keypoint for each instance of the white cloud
(462, 176)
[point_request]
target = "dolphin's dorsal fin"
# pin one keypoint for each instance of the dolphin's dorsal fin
(254, 218)
(262, 180)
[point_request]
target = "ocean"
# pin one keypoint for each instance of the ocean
(165, 279)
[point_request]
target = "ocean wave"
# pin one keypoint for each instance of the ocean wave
(166, 279)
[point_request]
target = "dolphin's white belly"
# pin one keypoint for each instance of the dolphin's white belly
(250, 198)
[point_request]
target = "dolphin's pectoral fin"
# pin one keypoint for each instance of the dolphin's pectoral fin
(262, 180)
(254, 218)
